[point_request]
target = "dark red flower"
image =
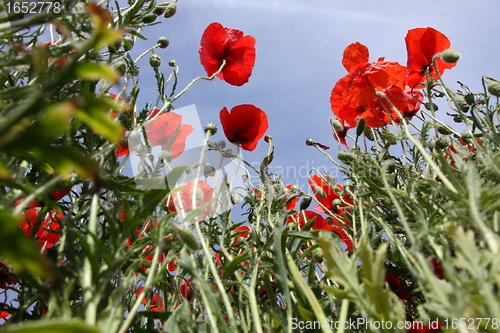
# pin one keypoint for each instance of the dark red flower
(422, 45)
(437, 267)
(219, 43)
(244, 125)
(167, 131)
(398, 286)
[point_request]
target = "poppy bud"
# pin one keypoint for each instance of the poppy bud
(450, 56)
(494, 88)
(235, 199)
(360, 127)
(165, 155)
(121, 68)
(345, 157)
(208, 170)
(221, 144)
(170, 9)
(441, 144)
(149, 18)
(304, 204)
(466, 137)
(389, 165)
(470, 99)
(460, 102)
(295, 188)
(188, 238)
(319, 192)
(128, 43)
(163, 41)
(155, 60)
(457, 119)
(336, 203)
(336, 125)
(369, 134)
(134, 139)
(318, 255)
(172, 63)
(291, 226)
(160, 9)
(211, 127)
(443, 130)
(431, 106)
(310, 142)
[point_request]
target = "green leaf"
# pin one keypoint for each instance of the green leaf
(232, 266)
(95, 72)
(52, 326)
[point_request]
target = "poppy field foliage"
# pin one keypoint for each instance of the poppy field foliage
(409, 236)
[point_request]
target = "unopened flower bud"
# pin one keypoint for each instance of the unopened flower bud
(360, 127)
(159, 10)
(304, 204)
(128, 43)
(163, 41)
(172, 63)
(170, 9)
(389, 165)
(441, 143)
(318, 255)
(149, 18)
(369, 133)
(319, 192)
(295, 188)
(208, 170)
(235, 198)
(211, 128)
(221, 144)
(345, 157)
(291, 226)
(460, 102)
(336, 125)
(121, 68)
(494, 88)
(336, 203)
(450, 56)
(431, 106)
(155, 60)
(188, 238)
(466, 137)
(444, 130)
(470, 99)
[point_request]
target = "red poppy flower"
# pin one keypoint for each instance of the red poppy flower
(353, 93)
(244, 125)
(57, 195)
(326, 193)
(166, 131)
(47, 235)
(4, 314)
(219, 43)
(243, 233)
(291, 205)
(422, 45)
(184, 198)
(156, 303)
(185, 289)
(339, 227)
(318, 224)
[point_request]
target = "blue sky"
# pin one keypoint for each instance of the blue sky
(299, 51)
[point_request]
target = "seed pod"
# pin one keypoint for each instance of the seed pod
(345, 157)
(304, 204)
(211, 127)
(360, 127)
(165, 155)
(188, 238)
(163, 41)
(172, 63)
(310, 142)
(470, 99)
(149, 18)
(450, 56)
(460, 102)
(443, 130)
(155, 61)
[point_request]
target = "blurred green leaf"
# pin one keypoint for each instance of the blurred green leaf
(95, 72)
(52, 326)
